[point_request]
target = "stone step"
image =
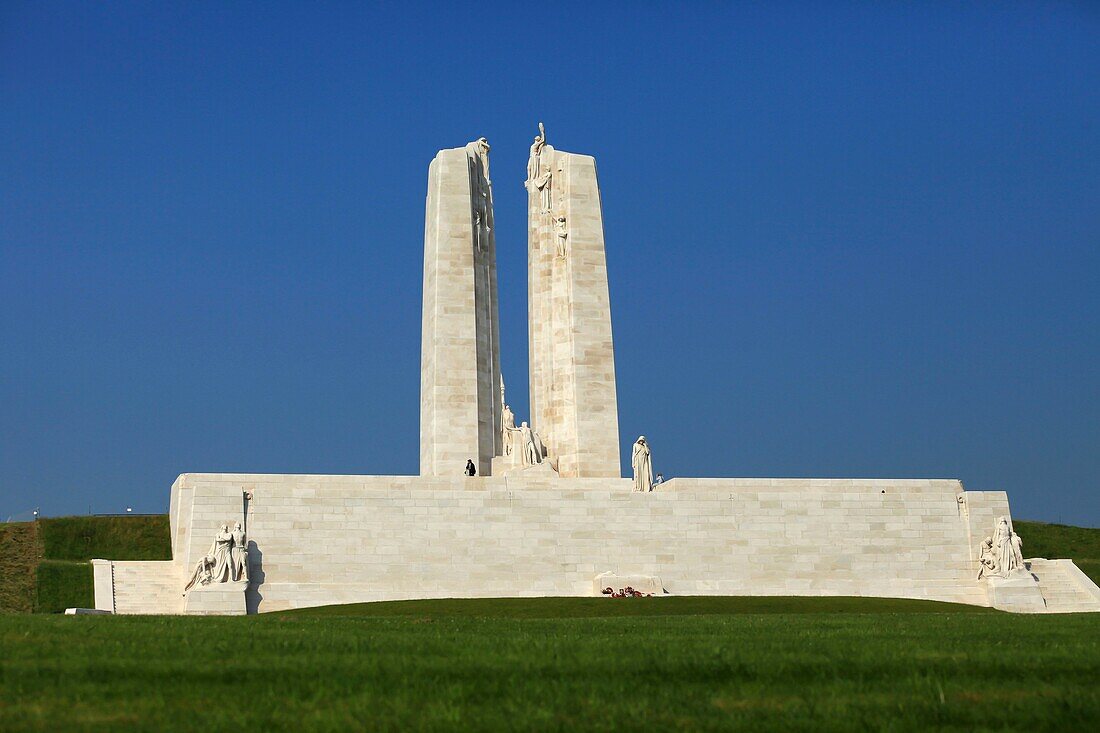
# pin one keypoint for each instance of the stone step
(1063, 587)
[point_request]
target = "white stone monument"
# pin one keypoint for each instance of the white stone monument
(549, 513)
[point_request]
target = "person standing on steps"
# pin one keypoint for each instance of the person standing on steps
(471, 469)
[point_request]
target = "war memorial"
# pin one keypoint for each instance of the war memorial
(547, 511)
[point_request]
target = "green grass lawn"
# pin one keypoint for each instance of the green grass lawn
(678, 663)
(558, 664)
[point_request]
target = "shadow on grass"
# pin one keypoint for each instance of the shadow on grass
(616, 607)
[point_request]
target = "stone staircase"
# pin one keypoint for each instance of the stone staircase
(1064, 587)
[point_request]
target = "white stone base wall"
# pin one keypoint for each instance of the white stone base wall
(318, 540)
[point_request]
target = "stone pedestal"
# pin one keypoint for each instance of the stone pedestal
(1018, 593)
(217, 599)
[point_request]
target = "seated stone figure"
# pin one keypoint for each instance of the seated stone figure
(988, 560)
(204, 572)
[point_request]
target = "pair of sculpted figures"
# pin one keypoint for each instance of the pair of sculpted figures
(522, 444)
(540, 182)
(226, 560)
(1001, 554)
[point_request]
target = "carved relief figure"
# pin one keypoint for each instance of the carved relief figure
(540, 449)
(226, 560)
(477, 153)
(239, 554)
(507, 429)
(987, 560)
(562, 231)
(527, 451)
(536, 154)
(481, 150)
(539, 175)
(223, 542)
(543, 184)
(204, 573)
(642, 461)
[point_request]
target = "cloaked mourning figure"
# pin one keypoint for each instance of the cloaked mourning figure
(1008, 548)
(227, 559)
(641, 460)
(531, 449)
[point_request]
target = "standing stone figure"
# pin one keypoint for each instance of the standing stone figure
(477, 153)
(480, 149)
(239, 553)
(642, 462)
(507, 429)
(562, 231)
(220, 550)
(529, 451)
(539, 175)
(1007, 548)
(536, 154)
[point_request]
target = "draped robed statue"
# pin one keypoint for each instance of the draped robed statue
(642, 461)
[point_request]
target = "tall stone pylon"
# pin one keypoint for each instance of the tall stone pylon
(574, 406)
(460, 402)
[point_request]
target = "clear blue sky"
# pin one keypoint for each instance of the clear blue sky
(843, 240)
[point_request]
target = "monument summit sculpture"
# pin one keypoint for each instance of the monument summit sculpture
(546, 510)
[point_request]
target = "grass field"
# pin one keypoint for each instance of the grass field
(677, 663)
(558, 664)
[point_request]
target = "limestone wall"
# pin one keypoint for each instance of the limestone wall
(143, 587)
(338, 539)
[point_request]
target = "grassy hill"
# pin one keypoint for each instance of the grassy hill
(1080, 544)
(18, 562)
(44, 565)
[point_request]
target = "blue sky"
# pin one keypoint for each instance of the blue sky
(843, 239)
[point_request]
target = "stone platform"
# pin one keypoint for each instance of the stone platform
(319, 540)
